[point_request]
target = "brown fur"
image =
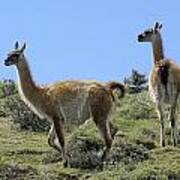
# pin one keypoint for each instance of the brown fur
(73, 101)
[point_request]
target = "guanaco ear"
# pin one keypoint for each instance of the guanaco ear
(160, 26)
(16, 46)
(23, 48)
(156, 26)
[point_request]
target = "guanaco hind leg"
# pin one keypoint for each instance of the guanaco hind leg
(101, 116)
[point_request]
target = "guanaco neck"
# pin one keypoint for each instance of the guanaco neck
(26, 83)
(158, 51)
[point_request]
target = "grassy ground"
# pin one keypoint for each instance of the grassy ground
(136, 154)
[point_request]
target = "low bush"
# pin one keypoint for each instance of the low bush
(87, 153)
(21, 116)
(7, 88)
(137, 106)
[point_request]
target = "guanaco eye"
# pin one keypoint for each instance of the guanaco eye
(14, 55)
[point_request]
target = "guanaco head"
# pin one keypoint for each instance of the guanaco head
(16, 55)
(150, 35)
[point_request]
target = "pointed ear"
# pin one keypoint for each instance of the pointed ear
(160, 26)
(16, 46)
(23, 48)
(156, 26)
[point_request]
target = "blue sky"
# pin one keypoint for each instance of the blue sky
(86, 39)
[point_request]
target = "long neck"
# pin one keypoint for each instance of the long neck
(26, 83)
(158, 52)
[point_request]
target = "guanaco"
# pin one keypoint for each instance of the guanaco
(66, 101)
(164, 81)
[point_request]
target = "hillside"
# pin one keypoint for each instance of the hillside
(25, 154)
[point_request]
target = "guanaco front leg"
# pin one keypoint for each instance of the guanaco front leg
(161, 120)
(59, 129)
(173, 124)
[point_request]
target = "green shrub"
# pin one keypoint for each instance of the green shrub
(21, 116)
(136, 106)
(7, 88)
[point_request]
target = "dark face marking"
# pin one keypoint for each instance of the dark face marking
(12, 59)
(145, 34)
